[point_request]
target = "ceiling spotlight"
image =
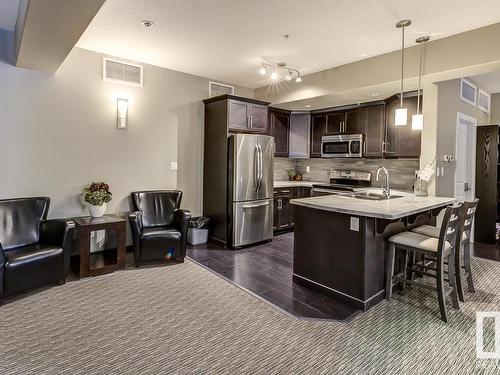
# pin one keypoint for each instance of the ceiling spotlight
(147, 23)
(308, 106)
(274, 76)
(289, 76)
(263, 70)
(298, 79)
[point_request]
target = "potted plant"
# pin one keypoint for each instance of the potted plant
(96, 196)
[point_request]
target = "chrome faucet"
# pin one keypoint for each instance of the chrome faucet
(387, 189)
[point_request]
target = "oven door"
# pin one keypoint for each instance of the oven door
(335, 148)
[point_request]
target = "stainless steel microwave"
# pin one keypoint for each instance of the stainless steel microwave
(342, 146)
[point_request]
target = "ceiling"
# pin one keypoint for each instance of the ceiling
(227, 39)
(489, 82)
(8, 14)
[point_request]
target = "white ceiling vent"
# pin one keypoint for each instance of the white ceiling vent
(216, 89)
(126, 73)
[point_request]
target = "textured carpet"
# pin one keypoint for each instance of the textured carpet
(182, 319)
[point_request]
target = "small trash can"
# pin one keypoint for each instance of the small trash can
(198, 230)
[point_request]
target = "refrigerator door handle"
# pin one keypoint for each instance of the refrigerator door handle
(256, 167)
(247, 206)
(261, 167)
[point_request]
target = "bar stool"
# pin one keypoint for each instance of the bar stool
(467, 214)
(437, 249)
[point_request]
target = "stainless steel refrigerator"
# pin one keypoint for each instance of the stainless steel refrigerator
(251, 176)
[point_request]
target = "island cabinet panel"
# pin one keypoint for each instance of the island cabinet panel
(318, 130)
(280, 129)
(341, 267)
(402, 141)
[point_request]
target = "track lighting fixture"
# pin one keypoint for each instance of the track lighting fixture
(280, 70)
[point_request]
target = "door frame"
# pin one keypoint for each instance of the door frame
(462, 117)
(472, 147)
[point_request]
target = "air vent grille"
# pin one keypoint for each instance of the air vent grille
(216, 89)
(120, 72)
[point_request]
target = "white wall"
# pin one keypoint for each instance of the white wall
(58, 133)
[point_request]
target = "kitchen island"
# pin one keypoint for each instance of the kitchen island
(340, 241)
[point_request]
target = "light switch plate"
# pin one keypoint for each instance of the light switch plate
(173, 165)
(355, 224)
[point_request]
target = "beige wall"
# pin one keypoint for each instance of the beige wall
(448, 106)
(58, 133)
(495, 108)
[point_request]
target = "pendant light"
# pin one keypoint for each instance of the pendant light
(401, 116)
(417, 121)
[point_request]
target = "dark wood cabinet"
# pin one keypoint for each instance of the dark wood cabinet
(355, 121)
(335, 122)
(374, 131)
(258, 118)
(279, 121)
(284, 211)
(225, 115)
(247, 116)
(487, 184)
(238, 115)
(401, 141)
(318, 130)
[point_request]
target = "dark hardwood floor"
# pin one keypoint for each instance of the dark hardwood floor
(266, 271)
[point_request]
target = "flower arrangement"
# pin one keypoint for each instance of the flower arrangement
(97, 194)
(427, 172)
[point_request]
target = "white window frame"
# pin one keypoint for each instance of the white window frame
(463, 98)
(487, 95)
(104, 78)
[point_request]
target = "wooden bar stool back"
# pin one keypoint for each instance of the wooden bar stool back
(440, 250)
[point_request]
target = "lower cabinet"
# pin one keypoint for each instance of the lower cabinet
(283, 215)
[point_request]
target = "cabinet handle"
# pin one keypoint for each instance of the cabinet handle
(383, 147)
(251, 121)
(364, 148)
(285, 191)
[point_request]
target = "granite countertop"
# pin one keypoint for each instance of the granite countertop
(280, 184)
(396, 208)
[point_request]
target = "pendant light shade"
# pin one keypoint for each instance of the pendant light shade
(417, 121)
(401, 115)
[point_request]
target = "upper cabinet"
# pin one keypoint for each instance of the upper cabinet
(300, 124)
(401, 141)
(279, 121)
(374, 131)
(375, 120)
(245, 115)
(318, 130)
(291, 132)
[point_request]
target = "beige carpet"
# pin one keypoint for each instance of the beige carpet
(182, 319)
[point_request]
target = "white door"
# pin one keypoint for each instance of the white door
(465, 157)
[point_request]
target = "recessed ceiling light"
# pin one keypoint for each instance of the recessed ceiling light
(147, 23)
(374, 94)
(308, 106)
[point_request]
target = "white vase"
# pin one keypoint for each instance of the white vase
(97, 211)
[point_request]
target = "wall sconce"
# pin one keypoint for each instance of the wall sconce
(121, 113)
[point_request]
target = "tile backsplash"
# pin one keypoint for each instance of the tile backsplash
(401, 171)
(281, 166)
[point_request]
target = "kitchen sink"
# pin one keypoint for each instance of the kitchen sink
(373, 196)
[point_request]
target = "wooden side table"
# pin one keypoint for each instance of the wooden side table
(111, 224)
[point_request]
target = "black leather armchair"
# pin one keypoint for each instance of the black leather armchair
(159, 227)
(34, 251)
